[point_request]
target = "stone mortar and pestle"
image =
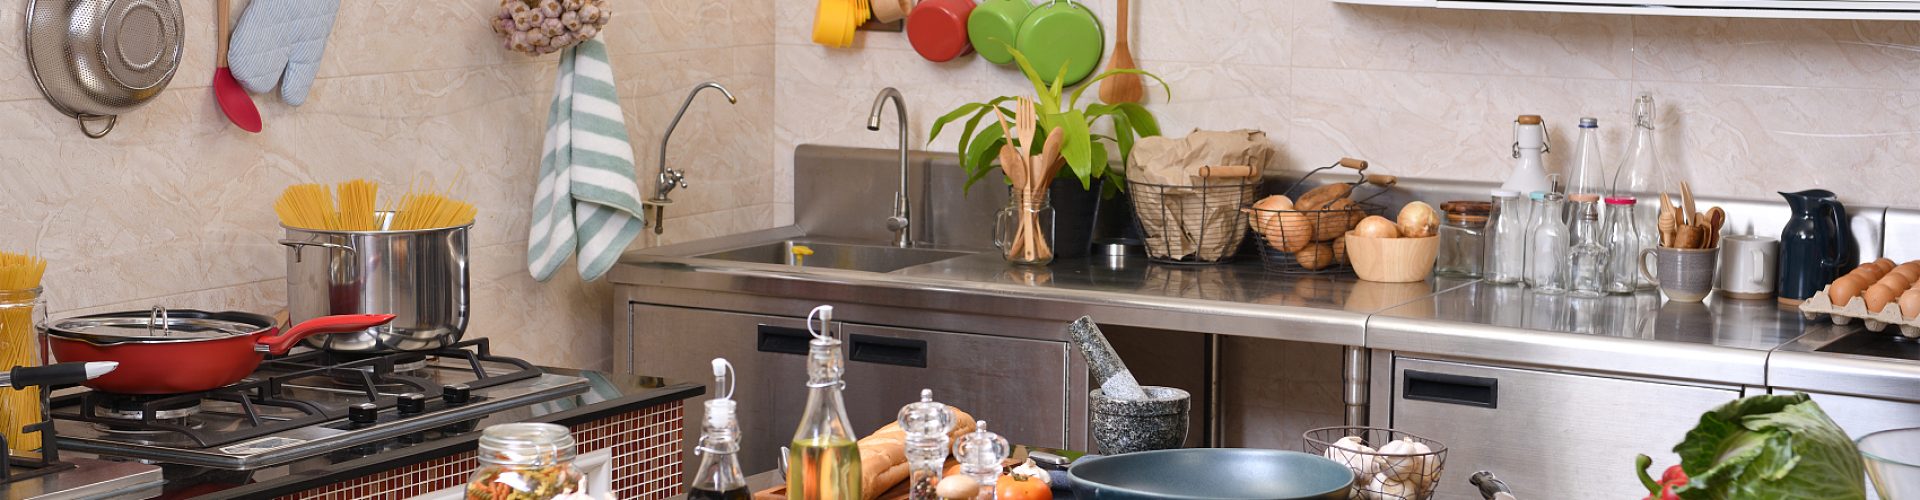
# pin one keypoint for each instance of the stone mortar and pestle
(1128, 417)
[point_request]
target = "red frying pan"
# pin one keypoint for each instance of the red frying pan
(170, 352)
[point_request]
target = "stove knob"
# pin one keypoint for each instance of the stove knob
(412, 403)
(456, 394)
(363, 413)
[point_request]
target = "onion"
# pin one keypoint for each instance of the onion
(1315, 256)
(1417, 220)
(1375, 226)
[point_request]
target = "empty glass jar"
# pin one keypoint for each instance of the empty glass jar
(1463, 238)
(1623, 242)
(1587, 258)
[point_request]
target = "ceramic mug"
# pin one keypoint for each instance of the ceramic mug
(1683, 274)
(1747, 272)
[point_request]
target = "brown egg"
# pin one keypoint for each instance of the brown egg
(1868, 270)
(1910, 304)
(1895, 281)
(1844, 290)
(1885, 264)
(1911, 273)
(1878, 296)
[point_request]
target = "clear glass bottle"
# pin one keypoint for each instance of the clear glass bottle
(1587, 257)
(1587, 175)
(1547, 245)
(1506, 229)
(1463, 239)
(525, 461)
(1623, 245)
(719, 476)
(823, 463)
(926, 424)
(980, 454)
(1024, 230)
(1640, 176)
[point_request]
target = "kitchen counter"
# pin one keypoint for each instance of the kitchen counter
(1719, 340)
(1723, 341)
(608, 394)
(1239, 298)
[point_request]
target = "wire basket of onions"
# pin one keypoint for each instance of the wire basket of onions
(1306, 235)
(1386, 463)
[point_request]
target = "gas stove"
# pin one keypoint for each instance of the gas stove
(306, 405)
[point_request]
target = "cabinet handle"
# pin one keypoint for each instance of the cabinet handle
(1451, 389)
(783, 340)
(888, 350)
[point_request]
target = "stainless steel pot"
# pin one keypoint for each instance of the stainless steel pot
(95, 59)
(420, 276)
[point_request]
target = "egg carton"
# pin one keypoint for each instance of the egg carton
(1856, 309)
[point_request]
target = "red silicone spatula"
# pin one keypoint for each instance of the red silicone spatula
(234, 100)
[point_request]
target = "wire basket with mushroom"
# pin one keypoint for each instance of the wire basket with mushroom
(1386, 464)
(1307, 235)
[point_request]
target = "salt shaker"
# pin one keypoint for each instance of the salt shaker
(927, 424)
(980, 454)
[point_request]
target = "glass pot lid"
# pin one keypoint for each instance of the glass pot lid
(158, 325)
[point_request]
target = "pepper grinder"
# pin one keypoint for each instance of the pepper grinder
(927, 424)
(980, 454)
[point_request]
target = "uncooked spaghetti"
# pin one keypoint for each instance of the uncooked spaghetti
(19, 295)
(313, 206)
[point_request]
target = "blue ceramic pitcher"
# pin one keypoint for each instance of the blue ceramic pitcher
(1816, 245)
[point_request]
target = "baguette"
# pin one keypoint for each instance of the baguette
(883, 464)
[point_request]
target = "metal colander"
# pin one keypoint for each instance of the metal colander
(95, 59)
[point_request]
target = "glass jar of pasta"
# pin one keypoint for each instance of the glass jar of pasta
(525, 461)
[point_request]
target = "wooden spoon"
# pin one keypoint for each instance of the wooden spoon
(233, 100)
(1048, 163)
(1668, 221)
(1686, 202)
(1121, 87)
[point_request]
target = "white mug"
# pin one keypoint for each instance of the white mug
(1747, 266)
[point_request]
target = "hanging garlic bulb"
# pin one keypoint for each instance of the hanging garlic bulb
(536, 27)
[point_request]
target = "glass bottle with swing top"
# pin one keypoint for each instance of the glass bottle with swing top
(720, 476)
(823, 462)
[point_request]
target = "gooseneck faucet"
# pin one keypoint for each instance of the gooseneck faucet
(901, 222)
(668, 178)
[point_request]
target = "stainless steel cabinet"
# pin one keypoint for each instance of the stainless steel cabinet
(1548, 434)
(1020, 385)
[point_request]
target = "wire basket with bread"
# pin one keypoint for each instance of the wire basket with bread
(1307, 235)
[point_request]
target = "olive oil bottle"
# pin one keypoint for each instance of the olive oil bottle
(823, 462)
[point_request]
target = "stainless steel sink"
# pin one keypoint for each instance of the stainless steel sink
(870, 258)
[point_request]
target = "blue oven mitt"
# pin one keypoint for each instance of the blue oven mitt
(281, 41)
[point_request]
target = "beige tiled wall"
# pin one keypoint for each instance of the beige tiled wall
(175, 206)
(1748, 107)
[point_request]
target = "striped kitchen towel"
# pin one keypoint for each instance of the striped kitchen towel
(587, 201)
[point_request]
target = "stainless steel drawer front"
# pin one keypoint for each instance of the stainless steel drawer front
(1547, 434)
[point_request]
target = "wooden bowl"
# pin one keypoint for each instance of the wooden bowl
(1392, 260)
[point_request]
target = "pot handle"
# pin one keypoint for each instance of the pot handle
(279, 344)
(296, 244)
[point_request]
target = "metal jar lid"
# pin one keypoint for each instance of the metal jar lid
(158, 325)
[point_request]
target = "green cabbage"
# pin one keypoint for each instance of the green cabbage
(1770, 447)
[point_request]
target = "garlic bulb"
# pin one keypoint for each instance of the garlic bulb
(1343, 451)
(1407, 461)
(1382, 487)
(538, 27)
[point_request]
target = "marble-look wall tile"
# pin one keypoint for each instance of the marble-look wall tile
(1851, 54)
(174, 207)
(1330, 35)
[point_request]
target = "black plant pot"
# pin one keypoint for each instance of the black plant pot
(1081, 217)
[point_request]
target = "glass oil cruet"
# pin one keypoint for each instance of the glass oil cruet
(1640, 175)
(927, 424)
(980, 454)
(823, 462)
(720, 476)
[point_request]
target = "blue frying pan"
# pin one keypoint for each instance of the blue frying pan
(1211, 473)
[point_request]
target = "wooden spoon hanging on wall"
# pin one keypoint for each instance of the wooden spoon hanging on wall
(1122, 87)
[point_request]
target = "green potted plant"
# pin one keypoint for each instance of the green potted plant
(1085, 152)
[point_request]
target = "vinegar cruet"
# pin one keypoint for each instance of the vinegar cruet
(719, 476)
(823, 462)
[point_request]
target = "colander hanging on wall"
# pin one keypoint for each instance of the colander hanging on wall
(97, 59)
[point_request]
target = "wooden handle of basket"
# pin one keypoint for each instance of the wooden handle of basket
(1382, 180)
(1354, 163)
(1227, 171)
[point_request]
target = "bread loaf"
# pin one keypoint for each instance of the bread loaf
(883, 455)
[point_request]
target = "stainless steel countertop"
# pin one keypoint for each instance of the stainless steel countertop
(1720, 341)
(1238, 298)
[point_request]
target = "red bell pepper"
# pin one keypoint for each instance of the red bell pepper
(1673, 477)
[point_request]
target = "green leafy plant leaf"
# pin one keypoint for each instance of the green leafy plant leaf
(1075, 99)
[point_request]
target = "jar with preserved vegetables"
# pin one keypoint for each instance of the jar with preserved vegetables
(525, 461)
